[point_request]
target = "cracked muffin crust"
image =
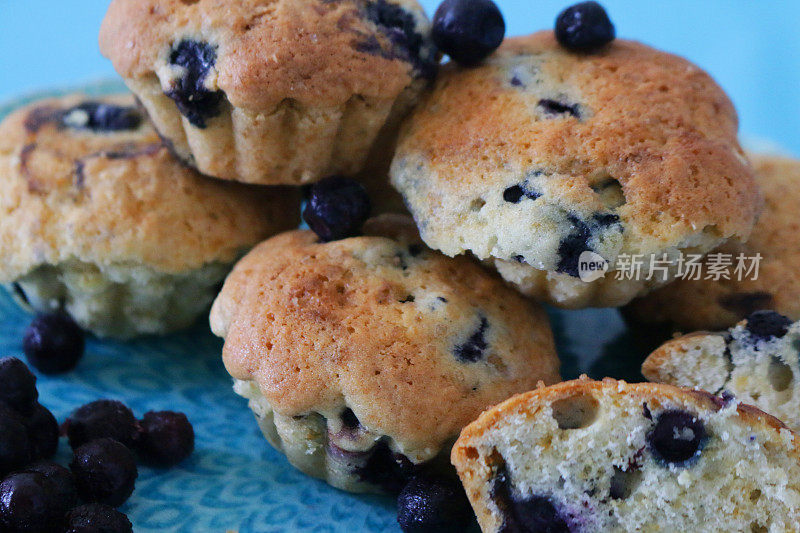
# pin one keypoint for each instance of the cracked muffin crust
(272, 91)
(540, 154)
(97, 217)
(363, 358)
(756, 360)
(717, 304)
(585, 456)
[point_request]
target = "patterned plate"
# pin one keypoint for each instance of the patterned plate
(235, 480)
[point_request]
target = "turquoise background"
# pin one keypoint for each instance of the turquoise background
(751, 47)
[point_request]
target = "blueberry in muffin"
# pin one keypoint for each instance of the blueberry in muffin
(539, 155)
(363, 358)
(610, 456)
(100, 222)
(272, 92)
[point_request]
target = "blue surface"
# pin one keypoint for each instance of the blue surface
(751, 48)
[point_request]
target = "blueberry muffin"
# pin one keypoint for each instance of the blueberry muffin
(98, 218)
(539, 155)
(363, 358)
(756, 360)
(585, 456)
(690, 304)
(272, 91)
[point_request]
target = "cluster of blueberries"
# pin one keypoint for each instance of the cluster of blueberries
(37, 494)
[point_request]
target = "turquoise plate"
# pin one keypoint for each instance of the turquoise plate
(235, 480)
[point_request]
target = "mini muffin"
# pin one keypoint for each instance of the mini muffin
(586, 456)
(540, 155)
(757, 361)
(363, 358)
(691, 304)
(98, 218)
(272, 91)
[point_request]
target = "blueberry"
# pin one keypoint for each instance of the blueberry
(336, 208)
(468, 30)
(554, 108)
(386, 469)
(61, 480)
(350, 420)
(167, 438)
(189, 93)
(524, 514)
(102, 419)
(97, 518)
(515, 193)
(29, 504)
(765, 325)
(14, 444)
(577, 240)
(433, 504)
(17, 385)
(473, 348)
(101, 117)
(105, 471)
(53, 343)
(677, 437)
(42, 433)
(584, 27)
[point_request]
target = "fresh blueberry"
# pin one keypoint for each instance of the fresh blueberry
(473, 348)
(189, 92)
(584, 27)
(29, 504)
(336, 208)
(429, 504)
(101, 117)
(400, 28)
(468, 30)
(42, 433)
(14, 444)
(102, 419)
(105, 472)
(765, 325)
(53, 343)
(61, 480)
(167, 438)
(97, 518)
(525, 514)
(677, 437)
(17, 385)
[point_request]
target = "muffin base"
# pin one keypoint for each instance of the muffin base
(120, 301)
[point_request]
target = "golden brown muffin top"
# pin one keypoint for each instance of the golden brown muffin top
(312, 51)
(415, 343)
(650, 127)
(75, 189)
(716, 304)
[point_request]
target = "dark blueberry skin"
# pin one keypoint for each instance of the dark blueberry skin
(468, 30)
(17, 385)
(577, 241)
(194, 101)
(28, 504)
(61, 481)
(765, 325)
(43, 433)
(53, 343)
(554, 108)
(584, 27)
(106, 117)
(472, 350)
(105, 472)
(15, 450)
(336, 208)
(97, 518)
(677, 437)
(429, 504)
(167, 438)
(386, 469)
(401, 29)
(515, 193)
(102, 419)
(525, 514)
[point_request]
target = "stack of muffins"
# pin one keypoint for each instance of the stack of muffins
(366, 345)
